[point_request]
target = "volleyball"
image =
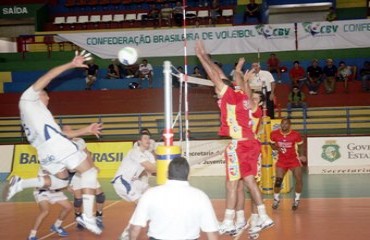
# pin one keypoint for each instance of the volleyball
(127, 55)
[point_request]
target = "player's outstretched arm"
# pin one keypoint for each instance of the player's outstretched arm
(210, 68)
(77, 62)
(92, 129)
(239, 73)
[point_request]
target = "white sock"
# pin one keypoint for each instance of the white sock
(240, 216)
(58, 223)
(297, 196)
(33, 183)
(88, 201)
(33, 233)
(254, 219)
(229, 216)
(262, 211)
(277, 196)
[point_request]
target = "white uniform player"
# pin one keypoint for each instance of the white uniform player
(131, 179)
(55, 151)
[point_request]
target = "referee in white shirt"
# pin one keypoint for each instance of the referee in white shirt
(263, 79)
(175, 210)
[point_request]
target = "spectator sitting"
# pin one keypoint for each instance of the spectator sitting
(297, 74)
(196, 73)
(344, 73)
(177, 14)
(365, 76)
(252, 10)
(130, 71)
(152, 15)
(166, 15)
(113, 70)
(330, 74)
(332, 16)
(273, 65)
(296, 99)
(145, 72)
(314, 76)
(176, 80)
(91, 74)
(215, 12)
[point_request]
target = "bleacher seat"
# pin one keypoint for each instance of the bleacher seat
(59, 21)
(203, 16)
(71, 21)
(227, 15)
(107, 19)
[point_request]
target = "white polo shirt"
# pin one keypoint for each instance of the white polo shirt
(261, 77)
(176, 211)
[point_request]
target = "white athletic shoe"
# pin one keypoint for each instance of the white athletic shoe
(124, 235)
(89, 224)
(263, 223)
(13, 187)
(239, 228)
(226, 228)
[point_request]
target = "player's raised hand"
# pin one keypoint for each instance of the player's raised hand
(95, 128)
(80, 58)
(199, 48)
(249, 74)
(240, 64)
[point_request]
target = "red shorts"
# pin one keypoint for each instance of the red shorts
(241, 159)
(288, 165)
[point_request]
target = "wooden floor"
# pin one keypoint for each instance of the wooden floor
(332, 207)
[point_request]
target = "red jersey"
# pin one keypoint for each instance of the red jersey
(273, 62)
(289, 143)
(297, 73)
(236, 118)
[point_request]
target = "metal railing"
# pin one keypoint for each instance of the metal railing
(203, 125)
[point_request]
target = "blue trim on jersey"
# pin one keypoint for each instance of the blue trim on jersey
(124, 183)
(47, 135)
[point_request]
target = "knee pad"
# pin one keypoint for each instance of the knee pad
(89, 178)
(278, 182)
(57, 183)
(100, 198)
(77, 203)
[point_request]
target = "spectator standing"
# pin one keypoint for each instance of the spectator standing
(297, 75)
(91, 74)
(265, 82)
(176, 80)
(214, 12)
(145, 72)
(252, 10)
(330, 73)
(344, 74)
(365, 76)
(175, 210)
(153, 15)
(314, 76)
(273, 65)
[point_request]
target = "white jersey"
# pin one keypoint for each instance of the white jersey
(131, 167)
(152, 145)
(36, 118)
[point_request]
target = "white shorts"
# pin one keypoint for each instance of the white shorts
(50, 196)
(129, 191)
(58, 153)
(76, 182)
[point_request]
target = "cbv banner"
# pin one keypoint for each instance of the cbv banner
(170, 42)
(333, 35)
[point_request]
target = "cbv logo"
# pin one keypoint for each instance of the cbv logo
(319, 28)
(272, 32)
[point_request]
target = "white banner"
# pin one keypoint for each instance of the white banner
(169, 42)
(7, 152)
(338, 155)
(333, 35)
(206, 157)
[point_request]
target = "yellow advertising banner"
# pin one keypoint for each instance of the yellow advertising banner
(25, 162)
(107, 157)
